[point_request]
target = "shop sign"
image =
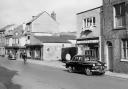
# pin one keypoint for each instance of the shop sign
(87, 41)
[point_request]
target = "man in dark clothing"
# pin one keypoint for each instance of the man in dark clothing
(24, 56)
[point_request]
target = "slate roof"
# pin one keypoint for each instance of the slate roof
(52, 39)
(68, 37)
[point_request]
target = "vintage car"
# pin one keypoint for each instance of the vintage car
(12, 57)
(88, 65)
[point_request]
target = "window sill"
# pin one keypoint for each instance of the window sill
(124, 60)
(119, 28)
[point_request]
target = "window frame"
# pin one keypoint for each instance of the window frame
(124, 50)
(119, 18)
(89, 21)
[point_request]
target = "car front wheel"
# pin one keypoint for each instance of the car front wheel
(88, 71)
(70, 69)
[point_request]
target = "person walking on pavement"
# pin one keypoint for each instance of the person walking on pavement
(24, 56)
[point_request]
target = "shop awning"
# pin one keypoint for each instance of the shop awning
(33, 45)
(15, 47)
(94, 40)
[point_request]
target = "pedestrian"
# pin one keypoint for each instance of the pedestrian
(24, 56)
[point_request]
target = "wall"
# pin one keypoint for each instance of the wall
(52, 51)
(22, 41)
(45, 24)
(114, 35)
(91, 13)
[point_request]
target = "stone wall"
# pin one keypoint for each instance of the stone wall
(114, 35)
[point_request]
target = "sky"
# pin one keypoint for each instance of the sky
(19, 11)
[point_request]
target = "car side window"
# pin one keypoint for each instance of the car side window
(75, 58)
(80, 58)
(86, 58)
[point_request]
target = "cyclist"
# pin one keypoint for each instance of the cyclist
(24, 56)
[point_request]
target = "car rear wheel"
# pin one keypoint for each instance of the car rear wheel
(88, 71)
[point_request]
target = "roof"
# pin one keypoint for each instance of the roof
(68, 37)
(36, 17)
(88, 10)
(51, 39)
(5, 27)
(92, 38)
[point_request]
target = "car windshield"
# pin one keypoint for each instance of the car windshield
(77, 58)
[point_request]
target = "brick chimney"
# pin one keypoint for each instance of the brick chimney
(53, 15)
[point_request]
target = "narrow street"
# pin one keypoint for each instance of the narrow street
(33, 76)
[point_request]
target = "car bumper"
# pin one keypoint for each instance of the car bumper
(98, 71)
(13, 58)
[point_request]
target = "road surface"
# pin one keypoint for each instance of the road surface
(33, 76)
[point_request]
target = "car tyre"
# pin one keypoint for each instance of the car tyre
(102, 73)
(70, 69)
(88, 71)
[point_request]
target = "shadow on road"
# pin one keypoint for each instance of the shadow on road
(82, 73)
(6, 78)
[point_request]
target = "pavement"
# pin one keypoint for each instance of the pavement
(59, 64)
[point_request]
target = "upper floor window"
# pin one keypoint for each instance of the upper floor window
(28, 37)
(119, 15)
(17, 41)
(7, 41)
(88, 22)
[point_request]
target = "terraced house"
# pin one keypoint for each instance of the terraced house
(115, 31)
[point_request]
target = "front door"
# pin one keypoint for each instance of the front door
(109, 59)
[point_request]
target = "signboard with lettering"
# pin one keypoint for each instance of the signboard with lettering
(87, 41)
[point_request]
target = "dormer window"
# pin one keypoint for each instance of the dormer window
(119, 15)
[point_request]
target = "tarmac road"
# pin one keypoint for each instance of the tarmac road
(33, 76)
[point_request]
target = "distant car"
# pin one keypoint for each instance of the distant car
(88, 65)
(11, 57)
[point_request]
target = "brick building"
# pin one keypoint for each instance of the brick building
(115, 31)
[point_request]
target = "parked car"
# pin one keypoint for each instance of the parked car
(12, 57)
(88, 65)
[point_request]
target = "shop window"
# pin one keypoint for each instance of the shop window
(119, 15)
(124, 49)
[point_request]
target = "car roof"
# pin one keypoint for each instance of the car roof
(79, 55)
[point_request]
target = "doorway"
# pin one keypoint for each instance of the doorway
(109, 56)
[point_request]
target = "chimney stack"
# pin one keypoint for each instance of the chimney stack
(53, 15)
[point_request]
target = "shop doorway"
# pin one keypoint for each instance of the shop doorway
(109, 56)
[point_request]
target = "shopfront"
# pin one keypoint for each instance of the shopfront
(89, 47)
(34, 51)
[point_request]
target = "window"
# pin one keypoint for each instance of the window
(7, 41)
(88, 22)
(94, 21)
(17, 41)
(28, 37)
(13, 41)
(124, 49)
(119, 15)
